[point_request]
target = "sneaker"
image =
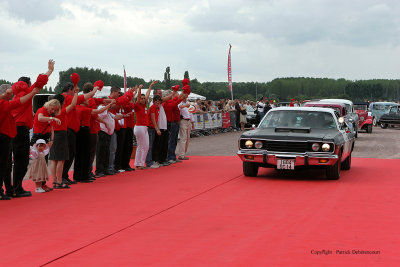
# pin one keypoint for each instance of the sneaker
(178, 160)
(183, 158)
(171, 161)
(121, 170)
(40, 190)
(165, 163)
(155, 165)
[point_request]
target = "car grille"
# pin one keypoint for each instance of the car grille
(282, 146)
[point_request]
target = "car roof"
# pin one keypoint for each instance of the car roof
(385, 103)
(345, 101)
(325, 103)
(326, 110)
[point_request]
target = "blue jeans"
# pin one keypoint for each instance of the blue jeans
(173, 128)
(149, 158)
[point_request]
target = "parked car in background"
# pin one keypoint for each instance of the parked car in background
(250, 116)
(298, 137)
(365, 118)
(377, 109)
(39, 100)
(351, 114)
(283, 104)
(391, 118)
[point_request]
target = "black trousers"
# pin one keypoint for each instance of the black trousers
(72, 150)
(5, 163)
(20, 148)
(160, 147)
(92, 150)
(120, 148)
(127, 148)
(82, 156)
(103, 152)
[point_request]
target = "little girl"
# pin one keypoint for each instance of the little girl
(37, 171)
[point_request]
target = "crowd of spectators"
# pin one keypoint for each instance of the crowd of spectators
(77, 129)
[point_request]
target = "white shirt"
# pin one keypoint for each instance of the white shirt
(260, 106)
(108, 117)
(162, 119)
(185, 111)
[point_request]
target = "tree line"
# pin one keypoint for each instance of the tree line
(281, 89)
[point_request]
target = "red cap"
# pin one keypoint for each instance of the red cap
(99, 84)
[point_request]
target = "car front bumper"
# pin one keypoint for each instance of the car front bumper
(301, 159)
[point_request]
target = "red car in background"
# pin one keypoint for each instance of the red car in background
(365, 118)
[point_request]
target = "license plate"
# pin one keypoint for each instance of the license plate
(285, 164)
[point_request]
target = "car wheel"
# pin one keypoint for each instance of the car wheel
(250, 169)
(347, 163)
(384, 125)
(369, 128)
(333, 172)
(374, 121)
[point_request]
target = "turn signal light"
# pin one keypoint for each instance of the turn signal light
(249, 157)
(323, 160)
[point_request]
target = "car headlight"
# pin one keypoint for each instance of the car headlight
(249, 144)
(315, 147)
(361, 118)
(369, 114)
(258, 144)
(326, 147)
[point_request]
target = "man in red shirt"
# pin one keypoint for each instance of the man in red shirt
(73, 126)
(173, 118)
(23, 116)
(7, 132)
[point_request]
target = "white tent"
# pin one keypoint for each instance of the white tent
(107, 89)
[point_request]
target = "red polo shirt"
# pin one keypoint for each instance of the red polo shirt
(23, 114)
(64, 120)
(129, 121)
(153, 110)
(94, 124)
(7, 121)
(141, 115)
(171, 109)
(84, 114)
(73, 119)
(41, 127)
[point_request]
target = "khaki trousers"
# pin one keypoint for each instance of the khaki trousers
(185, 126)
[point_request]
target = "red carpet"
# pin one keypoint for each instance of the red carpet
(204, 212)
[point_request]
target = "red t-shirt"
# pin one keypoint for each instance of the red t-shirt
(23, 114)
(84, 114)
(41, 127)
(64, 120)
(156, 110)
(171, 109)
(129, 121)
(94, 125)
(141, 115)
(7, 121)
(73, 119)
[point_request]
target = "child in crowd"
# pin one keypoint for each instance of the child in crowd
(37, 171)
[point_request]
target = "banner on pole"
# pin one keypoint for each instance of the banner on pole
(230, 70)
(125, 81)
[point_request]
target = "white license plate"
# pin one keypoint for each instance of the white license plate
(285, 164)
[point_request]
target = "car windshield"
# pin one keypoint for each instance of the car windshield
(299, 119)
(336, 109)
(360, 107)
(380, 107)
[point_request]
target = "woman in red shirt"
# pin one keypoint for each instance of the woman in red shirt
(140, 131)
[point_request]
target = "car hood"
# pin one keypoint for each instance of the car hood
(313, 134)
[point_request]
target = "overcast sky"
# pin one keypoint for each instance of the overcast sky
(351, 39)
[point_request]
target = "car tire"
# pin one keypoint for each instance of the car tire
(369, 128)
(384, 125)
(333, 172)
(250, 169)
(346, 165)
(374, 121)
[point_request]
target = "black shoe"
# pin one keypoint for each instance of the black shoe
(100, 174)
(4, 197)
(91, 175)
(129, 169)
(68, 181)
(109, 173)
(10, 194)
(23, 194)
(116, 171)
(92, 179)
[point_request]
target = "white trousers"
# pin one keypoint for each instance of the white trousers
(142, 139)
(185, 126)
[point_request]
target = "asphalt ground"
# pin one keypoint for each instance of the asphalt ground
(381, 143)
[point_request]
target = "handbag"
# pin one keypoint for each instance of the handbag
(244, 112)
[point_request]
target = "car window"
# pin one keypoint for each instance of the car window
(393, 110)
(299, 119)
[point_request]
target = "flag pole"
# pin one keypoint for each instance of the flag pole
(125, 81)
(230, 71)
